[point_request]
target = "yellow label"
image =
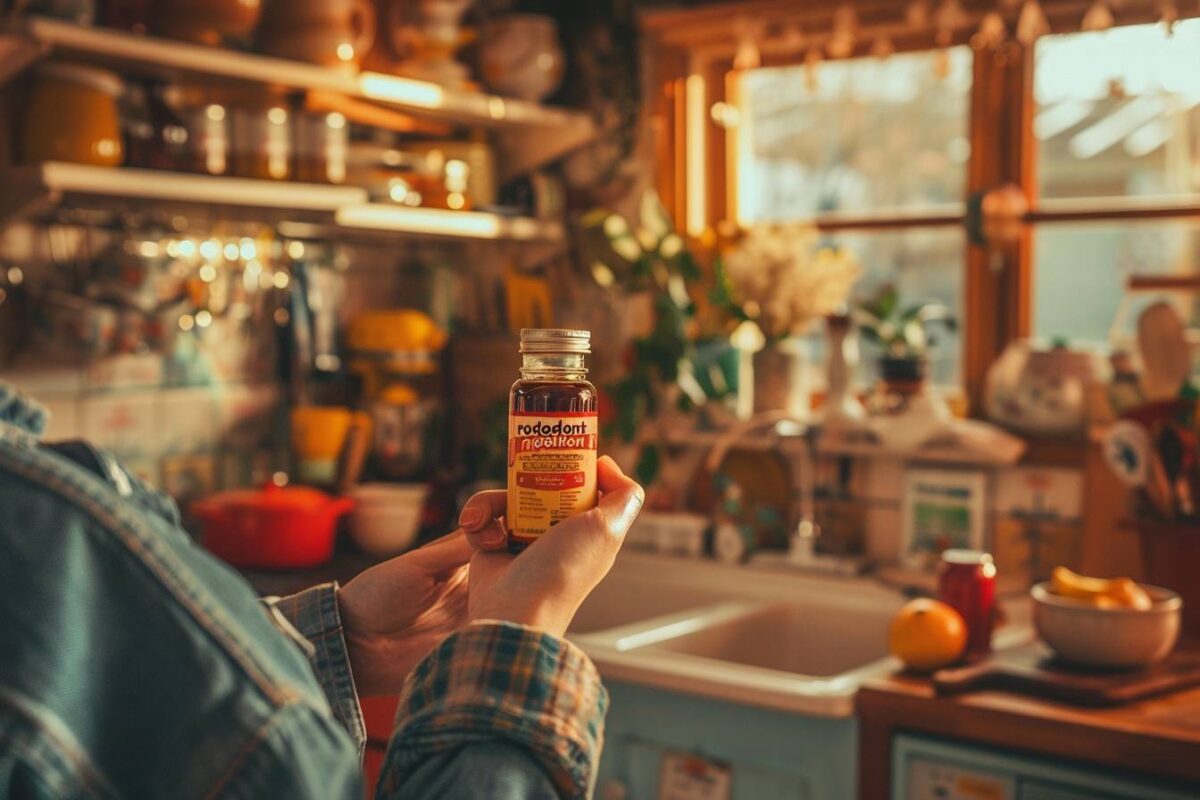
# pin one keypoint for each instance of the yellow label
(551, 470)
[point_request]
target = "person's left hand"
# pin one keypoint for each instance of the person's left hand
(395, 613)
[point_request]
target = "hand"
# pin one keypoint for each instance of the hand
(395, 613)
(544, 585)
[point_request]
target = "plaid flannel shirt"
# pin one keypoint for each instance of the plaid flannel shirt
(491, 681)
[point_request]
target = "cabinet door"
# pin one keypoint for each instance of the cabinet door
(924, 768)
(641, 765)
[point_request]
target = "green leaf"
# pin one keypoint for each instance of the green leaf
(648, 465)
(884, 304)
(652, 216)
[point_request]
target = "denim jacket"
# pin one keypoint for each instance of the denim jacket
(133, 664)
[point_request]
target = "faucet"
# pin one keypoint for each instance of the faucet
(802, 543)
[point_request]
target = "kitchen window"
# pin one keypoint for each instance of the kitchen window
(1099, 131)
(859, 144)
(1114, 141)
(863, 136)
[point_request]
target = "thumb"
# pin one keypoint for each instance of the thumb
(621, 496)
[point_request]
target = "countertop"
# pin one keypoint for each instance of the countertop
(1159, 736)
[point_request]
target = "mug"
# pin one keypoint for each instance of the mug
(318, 437)
(333, 33)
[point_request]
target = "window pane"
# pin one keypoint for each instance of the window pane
(924, 264)
(872, 134)
(1118, 112)
(1081, 272)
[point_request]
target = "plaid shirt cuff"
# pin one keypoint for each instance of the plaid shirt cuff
(315, 620)
(498, 680)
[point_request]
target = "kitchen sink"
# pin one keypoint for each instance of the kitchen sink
(780, 640)
(619, 600)
(802, 640)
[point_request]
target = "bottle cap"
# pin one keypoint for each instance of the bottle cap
(555, 340)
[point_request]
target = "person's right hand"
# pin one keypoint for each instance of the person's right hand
(544, 585)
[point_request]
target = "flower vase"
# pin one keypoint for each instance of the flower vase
(778, 379)
(842, 409)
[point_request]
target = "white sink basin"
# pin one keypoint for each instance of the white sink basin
(803, 640)
(779, 640)
(621, 599)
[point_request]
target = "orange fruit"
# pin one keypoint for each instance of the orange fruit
(927, 634)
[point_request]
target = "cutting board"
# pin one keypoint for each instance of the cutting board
(1031, 669)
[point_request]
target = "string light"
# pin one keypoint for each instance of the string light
(917, 13)
(948, 18)
(845, 32)
(793, 38)
(1098, 17)
(747, 55)
(1168, 15)
(1032, 24)
(992, 32)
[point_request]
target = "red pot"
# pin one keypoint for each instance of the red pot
(275, 528)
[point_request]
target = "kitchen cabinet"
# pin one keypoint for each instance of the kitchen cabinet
(925, 768)
(1153, 744)
(772, 754)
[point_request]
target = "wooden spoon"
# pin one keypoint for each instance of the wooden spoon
(1166, 356)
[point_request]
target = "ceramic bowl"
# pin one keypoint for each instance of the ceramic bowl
(387, 516)
(1116, 638)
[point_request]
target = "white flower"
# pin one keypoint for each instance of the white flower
(784, 281)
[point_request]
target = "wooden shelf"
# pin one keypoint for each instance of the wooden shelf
(531, 134)
(37, 190)
(384, 218)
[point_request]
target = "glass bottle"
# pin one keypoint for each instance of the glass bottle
(552, 434)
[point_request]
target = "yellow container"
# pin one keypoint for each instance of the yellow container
(72, 116)
(318, 436)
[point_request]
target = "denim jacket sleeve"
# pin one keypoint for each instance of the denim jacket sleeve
(132, 663)
(311, 618)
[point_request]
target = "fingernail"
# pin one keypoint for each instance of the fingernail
(492, 538)
(471, 517)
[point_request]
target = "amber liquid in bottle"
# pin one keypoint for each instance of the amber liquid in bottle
(552, 389)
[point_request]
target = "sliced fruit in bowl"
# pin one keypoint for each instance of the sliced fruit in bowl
(1100, 592)
(1105, 623)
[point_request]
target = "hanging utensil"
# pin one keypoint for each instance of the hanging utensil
(1166, 355)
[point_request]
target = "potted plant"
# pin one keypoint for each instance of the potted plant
(905, 412)
(668, 370)
(903, 335)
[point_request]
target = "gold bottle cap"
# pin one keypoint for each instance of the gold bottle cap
(555, 340)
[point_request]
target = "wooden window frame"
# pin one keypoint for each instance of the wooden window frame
(998, 281)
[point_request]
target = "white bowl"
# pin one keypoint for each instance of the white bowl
(1118, 638)
(387, 516)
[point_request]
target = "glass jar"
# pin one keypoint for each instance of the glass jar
(322, 141)
(72, 116)
(262, 142)
(155, 135)
(967, 583)
(552, 434)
